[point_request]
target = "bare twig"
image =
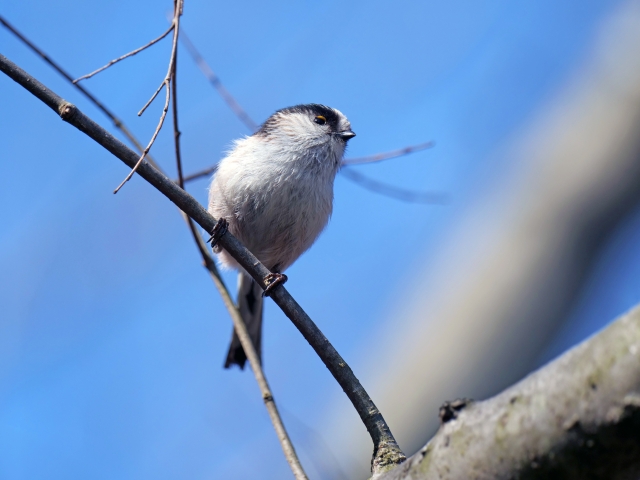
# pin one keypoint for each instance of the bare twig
(204, 67)
(394, 192)
(176, 128)
(378, 157)
(153, 97)
(386, 451)
(127, 55)
(151, 142)
(238, 322)
(166, 83)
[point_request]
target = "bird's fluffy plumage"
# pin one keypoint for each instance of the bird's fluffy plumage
(275, 188)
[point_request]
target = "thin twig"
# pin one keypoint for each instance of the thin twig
(153, 97)
(166, 83)
(176, 128)
(238, 323)
(378, 157)
(153, 139)
(127, 55)
(386, 450)
(434, 198)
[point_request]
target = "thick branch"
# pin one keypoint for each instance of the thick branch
(577, 418)
(386, 451)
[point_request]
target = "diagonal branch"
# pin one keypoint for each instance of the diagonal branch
(208, 261)
(238, 323)
(126, 55)
(386, 452)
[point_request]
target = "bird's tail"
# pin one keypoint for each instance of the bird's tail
(250, 306)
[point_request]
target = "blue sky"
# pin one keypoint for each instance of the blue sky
(112, 337)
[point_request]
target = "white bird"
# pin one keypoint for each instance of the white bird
(275, 189)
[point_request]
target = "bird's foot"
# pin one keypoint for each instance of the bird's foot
(219, 229)
(272, 281)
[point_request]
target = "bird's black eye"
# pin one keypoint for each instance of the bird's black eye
(320, 120)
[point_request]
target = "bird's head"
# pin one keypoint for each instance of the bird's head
(310, 125)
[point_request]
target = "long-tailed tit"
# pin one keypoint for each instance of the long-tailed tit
(275, 188)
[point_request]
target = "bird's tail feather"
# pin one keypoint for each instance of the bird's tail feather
(250, 306)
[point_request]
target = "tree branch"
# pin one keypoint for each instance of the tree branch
(166, 83)
(126, 55)
(576, 418)
(386, 450)
(208, 261)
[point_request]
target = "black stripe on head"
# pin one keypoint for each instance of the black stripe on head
(312, 109)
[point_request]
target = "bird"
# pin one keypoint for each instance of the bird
(274, 189)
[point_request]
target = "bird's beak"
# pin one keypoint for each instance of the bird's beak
(346, 135)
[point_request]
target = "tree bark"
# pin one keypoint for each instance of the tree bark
(576, 418)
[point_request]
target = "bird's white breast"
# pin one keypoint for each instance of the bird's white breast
(276, 196)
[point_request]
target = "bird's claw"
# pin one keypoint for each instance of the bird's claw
(219, 229)
(272, 281)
